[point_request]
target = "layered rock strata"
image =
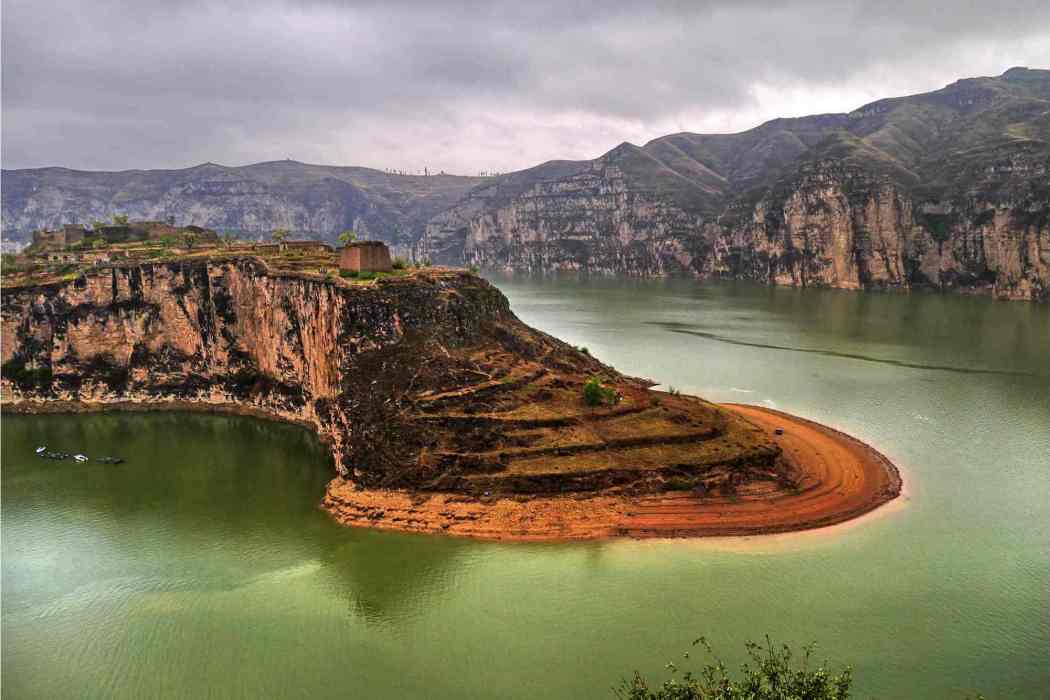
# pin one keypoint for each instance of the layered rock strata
(427, 382)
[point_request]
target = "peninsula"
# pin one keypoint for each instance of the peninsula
(442, 410)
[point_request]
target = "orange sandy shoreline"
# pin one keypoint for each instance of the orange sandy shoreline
(841, 478)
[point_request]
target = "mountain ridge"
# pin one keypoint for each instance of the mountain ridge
(953, 182)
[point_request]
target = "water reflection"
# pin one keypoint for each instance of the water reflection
(388, 579)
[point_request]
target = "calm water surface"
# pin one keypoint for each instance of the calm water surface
(202, 567)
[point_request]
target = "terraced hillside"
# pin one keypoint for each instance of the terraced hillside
(527, 430)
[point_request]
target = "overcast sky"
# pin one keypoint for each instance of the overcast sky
(444, 84)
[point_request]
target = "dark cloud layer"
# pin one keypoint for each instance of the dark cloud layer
(458, 85)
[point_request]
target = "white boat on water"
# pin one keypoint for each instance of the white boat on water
(41, 449)
(80, 458)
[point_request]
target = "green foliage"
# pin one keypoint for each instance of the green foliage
(97, 224)
(365, 275)
(188, 239)
(347, 236)
(596, 394)
(167, 241)
(584, 350)
(98, 243)
(348, 273)
(474, 269)
(120, 219)
(279, 235)
(772, 673)
(399, 264)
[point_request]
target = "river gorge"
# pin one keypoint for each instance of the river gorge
(208, 549)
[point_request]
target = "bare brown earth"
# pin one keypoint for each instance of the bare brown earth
(837, 478)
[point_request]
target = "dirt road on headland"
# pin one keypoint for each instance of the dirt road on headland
(837, 477)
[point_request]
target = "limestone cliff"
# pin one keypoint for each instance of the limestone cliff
(948, 190)
(424, 381)
(229, 334)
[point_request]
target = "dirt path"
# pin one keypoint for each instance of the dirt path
(840, 478)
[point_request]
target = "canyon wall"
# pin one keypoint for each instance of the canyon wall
(828, 226)
(948, 189)
(592, 221)
(230, 335)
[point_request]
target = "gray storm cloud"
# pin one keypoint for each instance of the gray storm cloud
(460, 86)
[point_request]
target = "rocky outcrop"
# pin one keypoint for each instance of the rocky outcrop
(444, 413)
(592, 220)
(229, 335)
(839, 228)
(425, 381)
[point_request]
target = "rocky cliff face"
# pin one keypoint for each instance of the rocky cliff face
(840, 228)
(948, 190)
(229, 335)
(308, 200)
(426, 382)
(829, 227)
(592, 220)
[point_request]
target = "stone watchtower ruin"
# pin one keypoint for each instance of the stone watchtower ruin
(365, 256)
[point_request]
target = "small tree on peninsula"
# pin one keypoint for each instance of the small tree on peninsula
(279, 235)
(596, 394)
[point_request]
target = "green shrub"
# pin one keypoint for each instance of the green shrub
(771, 674)
(584, 350)
(399, 264)
(347, 273)
(595, 394)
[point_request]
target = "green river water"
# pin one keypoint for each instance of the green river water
(203, 568)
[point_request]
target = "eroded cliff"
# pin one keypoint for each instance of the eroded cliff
(947, 190)
(425, 381)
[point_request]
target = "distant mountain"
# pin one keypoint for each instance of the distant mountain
(310, 200)
(947, 189)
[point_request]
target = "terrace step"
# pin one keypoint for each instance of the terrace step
(482, 389)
